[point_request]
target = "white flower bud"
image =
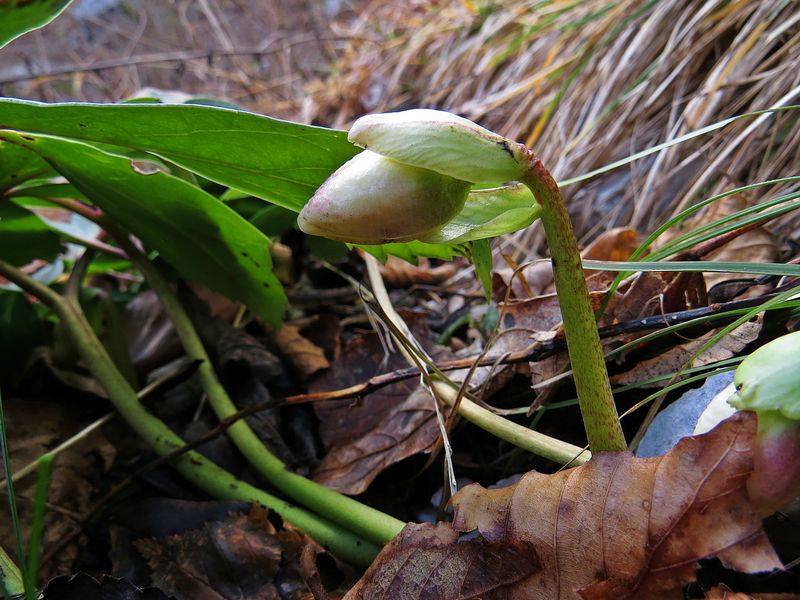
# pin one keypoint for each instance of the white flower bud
(442, 142)
(372, 199)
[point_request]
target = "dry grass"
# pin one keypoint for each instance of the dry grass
(584, 82)
(587, 83)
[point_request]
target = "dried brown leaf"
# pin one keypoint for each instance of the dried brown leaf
(675, 358)
(400, 273)
(429, 562)
(616, 528)
(236, 558)
(364, 437)
(755, 245)
(306, 357)
(615, 244)
(35, 428)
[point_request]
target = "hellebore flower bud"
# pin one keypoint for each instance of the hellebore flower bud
(372, 199)
(768, 382)
(442, 142)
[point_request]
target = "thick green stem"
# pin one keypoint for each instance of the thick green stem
(368, 522)
(193, 466)
(599, 413)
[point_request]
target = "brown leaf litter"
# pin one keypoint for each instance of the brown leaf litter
(618, 527)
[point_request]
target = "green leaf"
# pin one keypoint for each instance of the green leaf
(488, 213)
(276, 160)
(411, 251)
(18, 165)
(18, 17)
(21, 331)
(24, 236)
(769, 379)
(481, 254)
(197, 234)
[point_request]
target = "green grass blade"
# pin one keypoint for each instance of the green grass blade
(43, 472)
(701, 266)
(674, 142)
(679, 218)
(718, 226)
(12, 500)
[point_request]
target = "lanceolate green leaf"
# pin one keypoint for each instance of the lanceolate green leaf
(276, 160)
(24, 236)
(200, 236)
(18, 165)
(18, 17)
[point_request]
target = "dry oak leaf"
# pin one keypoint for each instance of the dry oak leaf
(616, 528)
(363, 438)
(428, 562)
(238, 558)
(305, 357)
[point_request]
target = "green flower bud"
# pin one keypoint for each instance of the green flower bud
(442, 142)
(768, 383)
(769, 379)
(372, 199)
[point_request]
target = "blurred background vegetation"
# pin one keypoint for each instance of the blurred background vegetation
(583, 82)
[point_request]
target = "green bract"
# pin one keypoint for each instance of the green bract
(372, 199)
(769, 379)
(442, 142)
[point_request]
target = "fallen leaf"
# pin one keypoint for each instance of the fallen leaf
(675, 358)
(306, 357)
(84, 587)
(616, 528)
(653, 293)
(616, 244)
(723, 592)
(756, 245)
(78, 472)
(238, 558)
(364, 437)
(398, 273)
(430, 562)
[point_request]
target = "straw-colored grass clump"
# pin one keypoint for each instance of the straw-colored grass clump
(587, 83)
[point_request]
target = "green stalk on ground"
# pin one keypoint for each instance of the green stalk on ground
(192, 465)
(372, 524)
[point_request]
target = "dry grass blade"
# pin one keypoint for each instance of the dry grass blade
(592, 82)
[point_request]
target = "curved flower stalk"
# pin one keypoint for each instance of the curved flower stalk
(768, 382)
(414, 177)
